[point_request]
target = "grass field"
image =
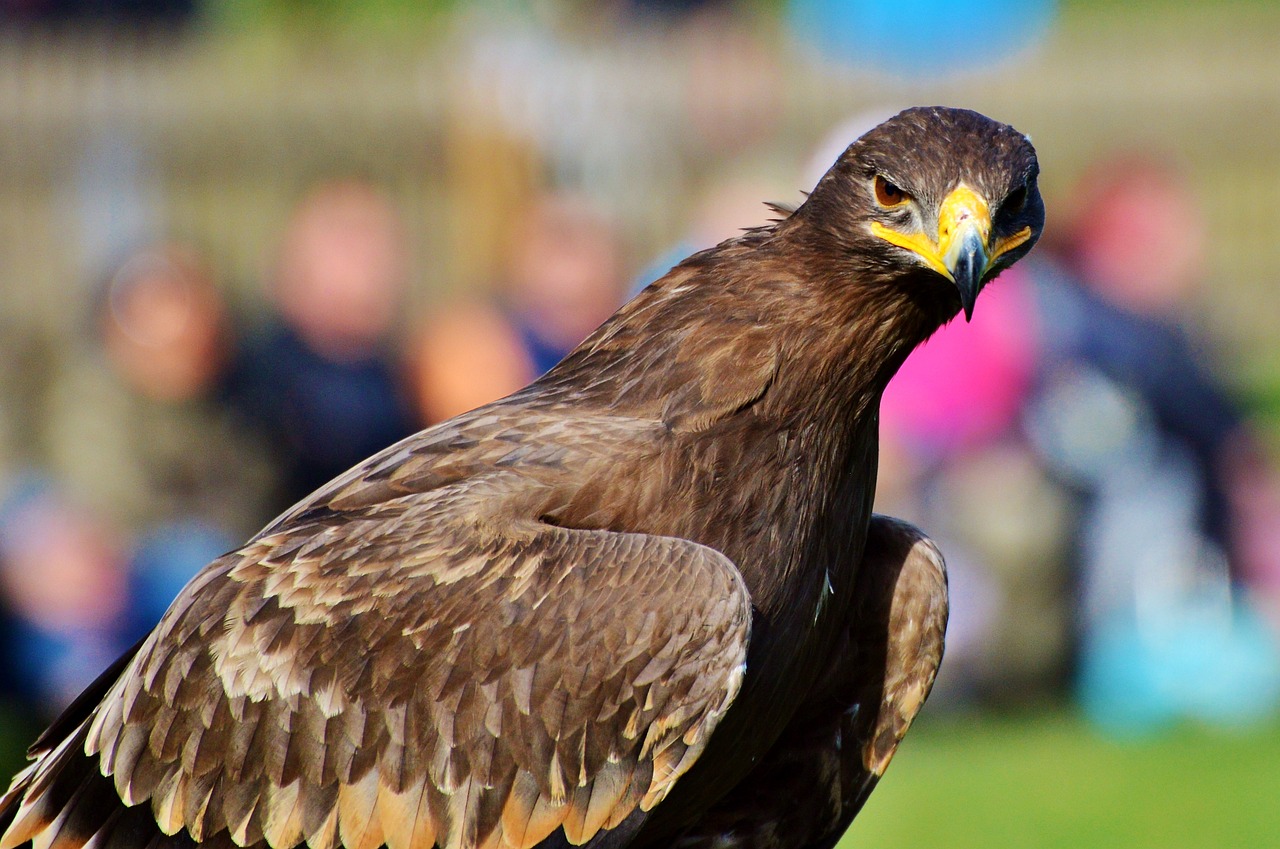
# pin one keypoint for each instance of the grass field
(1043, 781)
(1047, 780)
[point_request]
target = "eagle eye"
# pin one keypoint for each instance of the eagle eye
(888, 194)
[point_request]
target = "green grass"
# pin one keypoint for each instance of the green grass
(1048, 780)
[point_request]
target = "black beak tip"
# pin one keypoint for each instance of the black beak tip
(967, 261)
(968, 277)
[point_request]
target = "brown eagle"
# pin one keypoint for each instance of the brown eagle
(642, 602)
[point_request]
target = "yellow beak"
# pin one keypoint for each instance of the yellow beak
(963, 252)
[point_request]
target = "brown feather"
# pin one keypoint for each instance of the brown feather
(406, 817)
(358, 825)
(832, 755)
(281, 813)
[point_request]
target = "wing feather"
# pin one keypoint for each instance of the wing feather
(807, 789)
(418, 667)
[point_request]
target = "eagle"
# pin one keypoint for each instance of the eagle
(642, 602)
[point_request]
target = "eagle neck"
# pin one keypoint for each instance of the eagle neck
(837, 358)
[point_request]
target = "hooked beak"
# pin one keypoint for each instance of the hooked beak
(963, 252)
(964, 228)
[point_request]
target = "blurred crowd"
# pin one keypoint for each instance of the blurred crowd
(1109, 513)
(178, 426)
(1107, 508)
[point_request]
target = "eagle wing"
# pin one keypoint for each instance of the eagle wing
(447, 676)
(808, 788)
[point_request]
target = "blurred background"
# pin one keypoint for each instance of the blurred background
(244, 244)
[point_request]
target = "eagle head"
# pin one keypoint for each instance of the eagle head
(947, 197)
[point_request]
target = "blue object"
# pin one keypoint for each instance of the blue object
(165, 560)
(919, 38)
(1138, 677)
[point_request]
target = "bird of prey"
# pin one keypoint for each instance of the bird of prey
(641, 603)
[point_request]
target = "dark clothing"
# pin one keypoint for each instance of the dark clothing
(322, 415)
(1155, 360)
(542, 354)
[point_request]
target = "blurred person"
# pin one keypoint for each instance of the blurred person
(322, 379)
(1132, 416)
(136, 425)
(563, 278)
(63, 575)
(955, 458)
(137, 428)
(1121, 279)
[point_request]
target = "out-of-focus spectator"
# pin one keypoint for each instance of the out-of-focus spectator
(969, 381)
(137, 427)
(322, 379)
(1132, 416)
(1120, 287)
(65, 589)
(563, 278)
(954, 459)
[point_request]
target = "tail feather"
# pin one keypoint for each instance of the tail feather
(79, 808)
(129, 828)
(61, 797)
(81, 815)
(9, 806)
